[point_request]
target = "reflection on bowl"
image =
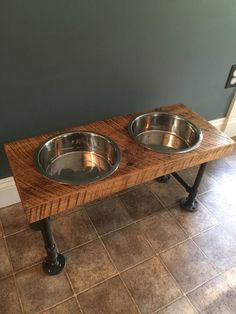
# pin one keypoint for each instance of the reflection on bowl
(165, 133)
(77, 157)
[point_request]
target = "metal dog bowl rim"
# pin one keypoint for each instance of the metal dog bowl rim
(67, 182)
(179, 117)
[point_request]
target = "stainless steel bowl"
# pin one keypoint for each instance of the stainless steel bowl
(77, 157)
(165, 133)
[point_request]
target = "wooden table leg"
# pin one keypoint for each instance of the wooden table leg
(54, 262)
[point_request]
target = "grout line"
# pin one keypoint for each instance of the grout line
(172, 246)
(223, 273)
(14, 277)
(101, 239)
(137, 264)
(118, 229)
(77, 246)
(10, 205)
(114, 265)
(208, 259)
(1, 228)
(195, 308)
(127, 225)
(173, 278)
(118, 273)
(96, 284)
(214, 267)
(172, 302)
(166, 305)
(203, 283)
(157, 197)
(6, 276)
(17, 232)
(129, 293)
(132, 188)
(171, 275)
(182, 291)
(206, 230)
(54, 305)
(99, 200)
(200, 232)
(28, 267)
(72, 288)
(179, 224)
(166, 207)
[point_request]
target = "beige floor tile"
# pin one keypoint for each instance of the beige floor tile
(109, 297)
(5, 265)
(194, 222)
(88, 265)
(230, 277)
(221, 203)
(13, 219)
(219, 246)
(108, 215)
(9, 301)
(169, 193)
(188, 265)
(39, 291)
(214, 297)
(26, 248)
(181, 306)
(162, 231)
(127, 247)
(151, 285)
(140, 202)
(72, 230)
(68, 307)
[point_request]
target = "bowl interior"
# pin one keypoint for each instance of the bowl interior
(167, 133)
(77, 157)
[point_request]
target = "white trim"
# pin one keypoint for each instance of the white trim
(230, 129)
(8, 190)
(232, 108)
(219, 124)
(226, 125)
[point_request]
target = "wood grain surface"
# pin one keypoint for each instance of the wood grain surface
(42, 197)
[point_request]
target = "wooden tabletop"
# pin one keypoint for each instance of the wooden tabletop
(42, 197)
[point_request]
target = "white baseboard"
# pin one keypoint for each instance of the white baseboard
(9, 194)
(230, 129)
(228, 126)
(219, 124)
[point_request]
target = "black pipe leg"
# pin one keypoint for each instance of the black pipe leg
(189, 203)
(54, 262)
(163, 179)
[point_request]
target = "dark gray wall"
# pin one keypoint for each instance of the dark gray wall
(68, 62)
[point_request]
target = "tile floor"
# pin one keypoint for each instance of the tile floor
(137, 252)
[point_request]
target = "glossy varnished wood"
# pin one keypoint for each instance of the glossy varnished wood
(42, 197)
